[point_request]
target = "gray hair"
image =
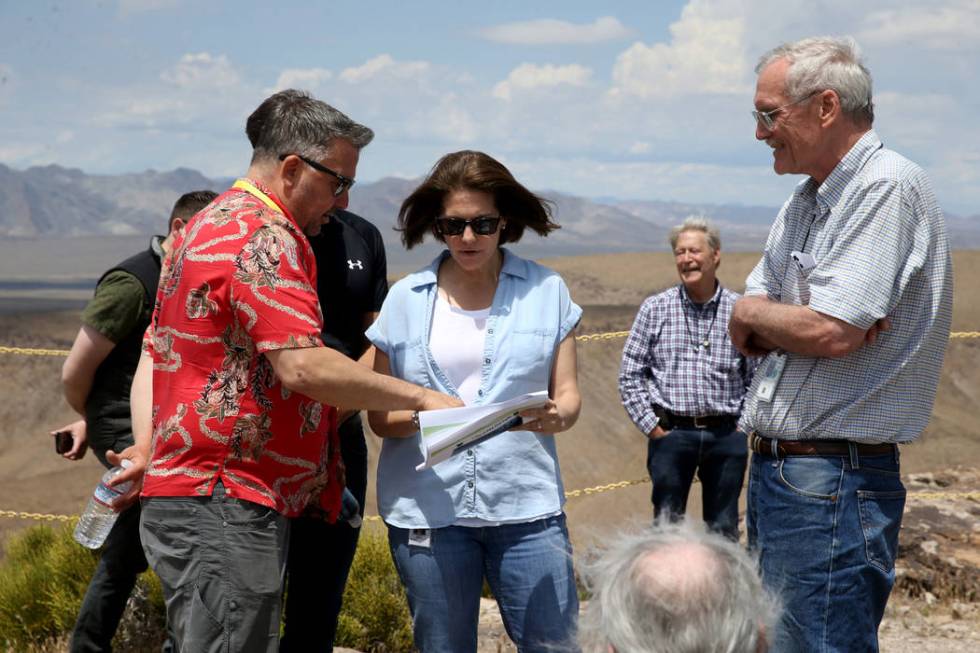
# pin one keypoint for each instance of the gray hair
(697, 223)
(294, 122)
(826, 62)
(675, 589)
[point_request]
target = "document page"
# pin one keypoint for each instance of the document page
(450, 430)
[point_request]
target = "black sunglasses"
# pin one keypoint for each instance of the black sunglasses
(343, 183)
(483, 225)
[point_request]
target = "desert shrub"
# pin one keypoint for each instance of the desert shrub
(375, 615)
(45, 573)
(42, 583)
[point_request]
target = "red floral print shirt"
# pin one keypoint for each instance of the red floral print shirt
(241, 282)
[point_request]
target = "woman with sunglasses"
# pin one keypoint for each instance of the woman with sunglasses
(485, 325)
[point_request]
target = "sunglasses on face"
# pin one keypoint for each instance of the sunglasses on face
(483, 225)
(767, 119)
(344, 183)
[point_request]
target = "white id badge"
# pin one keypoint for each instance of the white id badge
(772, 370)
(420, 537)
(804, 261)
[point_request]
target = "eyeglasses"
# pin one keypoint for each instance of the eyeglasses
(343, 183)
(482, 225)
(765, 118)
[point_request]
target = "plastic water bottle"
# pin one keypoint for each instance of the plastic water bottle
(97, 520)
(350, 509)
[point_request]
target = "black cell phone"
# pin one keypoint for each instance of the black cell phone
(63, 442)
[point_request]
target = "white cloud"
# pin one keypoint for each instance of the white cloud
(678, 181)
(302, 78)
(530, 76)
(549, 31)
(450, 121)
(384, 66)
(939, 26)
(201, 92)
(639, 147)
(706, 54)
(201, 70)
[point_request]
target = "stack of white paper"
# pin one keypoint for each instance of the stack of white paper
(449, 430)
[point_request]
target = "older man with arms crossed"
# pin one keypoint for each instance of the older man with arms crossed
(682, 383)
(852, 301)
(239, 398)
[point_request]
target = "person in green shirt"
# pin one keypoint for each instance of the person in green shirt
(96, 378)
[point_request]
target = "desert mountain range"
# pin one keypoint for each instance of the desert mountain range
(56, 202)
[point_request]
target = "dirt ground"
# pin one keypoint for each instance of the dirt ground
(934, 607)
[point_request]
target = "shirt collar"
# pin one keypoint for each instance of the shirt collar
(687, 298)
(262, 193)
(513, 266)
(156, 246)
(833, 186)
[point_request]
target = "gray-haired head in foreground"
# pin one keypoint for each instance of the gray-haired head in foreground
(826, 62)
(675, 589)
(697, 223)
(294, 122)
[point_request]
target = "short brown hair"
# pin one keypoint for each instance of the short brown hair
(189, 204)
(474, 171)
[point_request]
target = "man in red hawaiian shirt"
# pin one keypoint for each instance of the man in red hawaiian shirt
(236, 387)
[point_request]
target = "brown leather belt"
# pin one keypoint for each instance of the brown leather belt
(764, 447)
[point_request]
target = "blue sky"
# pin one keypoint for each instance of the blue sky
(638, 100)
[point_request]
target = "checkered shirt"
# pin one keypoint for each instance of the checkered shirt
(663, 366)
(878, 237)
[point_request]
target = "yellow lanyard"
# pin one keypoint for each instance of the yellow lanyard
(248, 187)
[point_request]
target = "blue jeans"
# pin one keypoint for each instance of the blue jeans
(719, 456)
(221, 563)
(528, 567)
(826, 530)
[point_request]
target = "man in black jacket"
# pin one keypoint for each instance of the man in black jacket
(351, 284)
(95, 379)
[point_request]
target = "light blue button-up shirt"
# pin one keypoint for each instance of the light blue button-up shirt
(511, 477)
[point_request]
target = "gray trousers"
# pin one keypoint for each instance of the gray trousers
(221, 563)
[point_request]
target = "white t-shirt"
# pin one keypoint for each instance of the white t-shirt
(457, 342)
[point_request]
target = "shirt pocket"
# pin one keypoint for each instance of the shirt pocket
(528, 353)
(407, 361)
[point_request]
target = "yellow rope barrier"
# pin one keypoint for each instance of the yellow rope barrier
(602, 336)
(598, 489)
(571, 494)
(27, 351)
(36, 516)
(592, 337)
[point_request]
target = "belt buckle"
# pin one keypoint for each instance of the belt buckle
(697, 422)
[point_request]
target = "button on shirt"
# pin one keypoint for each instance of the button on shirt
(878, 239)
(513, 476)
(665, 363)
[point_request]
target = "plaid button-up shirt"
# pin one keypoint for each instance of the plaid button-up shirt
(878, 238)
(666, 364)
